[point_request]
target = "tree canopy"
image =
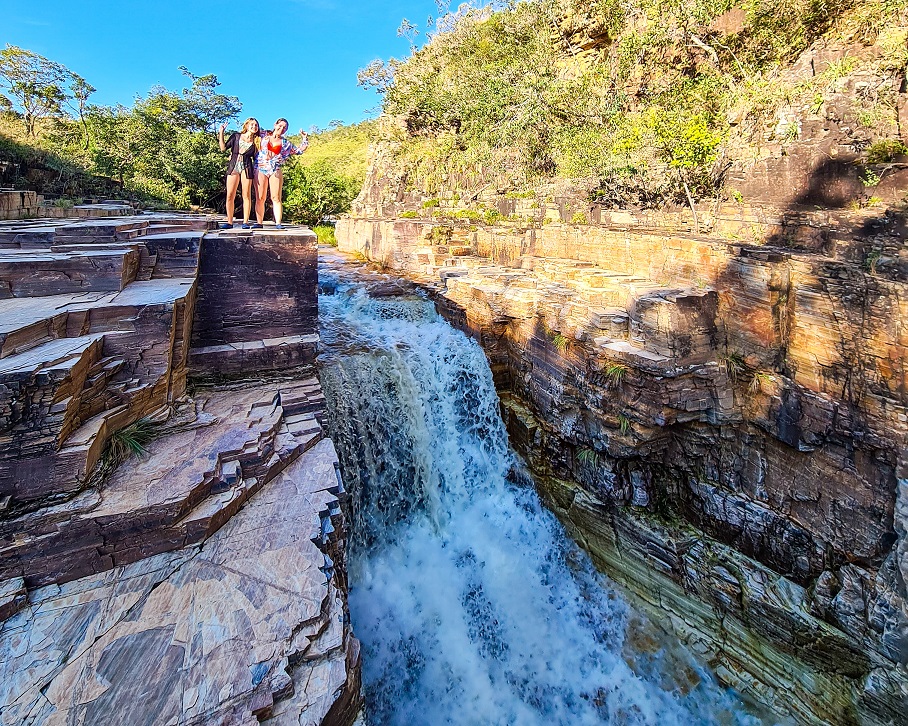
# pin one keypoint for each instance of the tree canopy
(38, 86)
(163, 146)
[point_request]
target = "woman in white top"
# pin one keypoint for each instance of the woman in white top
(274, 152)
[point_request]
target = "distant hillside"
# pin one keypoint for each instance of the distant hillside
(651, 101)
(344, 148)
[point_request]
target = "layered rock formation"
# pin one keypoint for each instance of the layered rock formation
(23, 204)
(714, 419)
(714, 399)
(165, 557)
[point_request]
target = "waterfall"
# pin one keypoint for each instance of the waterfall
(472, 603)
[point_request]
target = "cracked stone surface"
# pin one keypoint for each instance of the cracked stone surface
(252, 624)
(203, 580)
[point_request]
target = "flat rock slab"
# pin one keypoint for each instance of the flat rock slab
(25, 322)
(12, 597)
(198, 472)
(38, 273)
(204, 635)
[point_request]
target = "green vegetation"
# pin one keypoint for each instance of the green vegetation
(624, 424)
(635, 96)
(734, 365)
(588, 457)
(344, 148)
(758, 380)
(325, 234)
(870, 178)
(885, 150)
(131, 440)
(160, 150)
(559, 341)
(468, 214)
(614, 374)
(317, 193)
(322, 183)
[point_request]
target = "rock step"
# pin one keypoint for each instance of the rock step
(175, 254)
(51, 358)
(49, 391)
(36, 274)
(139, 367)
(190, 481)
(25, 323)
(147, 261)
(585, 302)
(40, 402)
(101, 230)
(24, 234)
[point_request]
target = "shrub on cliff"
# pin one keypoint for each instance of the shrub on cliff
(635, 95)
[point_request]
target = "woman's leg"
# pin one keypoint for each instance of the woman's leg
(277, 187)
(233, 181)
(260, 191)
(247, 198)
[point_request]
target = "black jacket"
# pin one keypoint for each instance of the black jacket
(233, 143)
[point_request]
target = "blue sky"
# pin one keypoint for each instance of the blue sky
(296, 58)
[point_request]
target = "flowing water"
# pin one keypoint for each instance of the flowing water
(473, 605)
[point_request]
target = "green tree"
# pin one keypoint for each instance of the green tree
(162, 145)
(318, 192)
(80, 91)
(38, 85)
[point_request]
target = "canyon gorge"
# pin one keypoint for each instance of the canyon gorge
(711, 396)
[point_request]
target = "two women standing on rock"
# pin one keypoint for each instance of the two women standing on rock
(258, 154)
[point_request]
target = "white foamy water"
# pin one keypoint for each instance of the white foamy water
(473, 605)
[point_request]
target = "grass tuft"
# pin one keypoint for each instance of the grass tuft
(614, 374)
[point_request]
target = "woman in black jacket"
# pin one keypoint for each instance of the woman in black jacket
(243, 147)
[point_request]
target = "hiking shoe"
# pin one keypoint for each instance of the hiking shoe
(246, 226)
(258, 226)
(224, 225)
(279, 226)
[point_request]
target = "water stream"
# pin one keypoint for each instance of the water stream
(473, 605)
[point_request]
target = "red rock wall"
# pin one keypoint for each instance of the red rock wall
(258, 303)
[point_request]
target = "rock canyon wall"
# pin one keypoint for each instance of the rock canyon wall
(714, 399)
(172, 544)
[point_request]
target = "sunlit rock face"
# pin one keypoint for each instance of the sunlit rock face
(715, 402)
(166, 557)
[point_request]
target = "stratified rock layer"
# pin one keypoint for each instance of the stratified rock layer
(248, 626)
(166, 558)
(723, 424)
(256, 310)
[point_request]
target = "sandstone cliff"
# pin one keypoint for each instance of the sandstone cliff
(712, 396)
(172, 544)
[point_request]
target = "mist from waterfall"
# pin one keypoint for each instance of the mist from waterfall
(472, 603)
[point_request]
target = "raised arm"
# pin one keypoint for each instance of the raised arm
(221, 137)
(303, 145)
